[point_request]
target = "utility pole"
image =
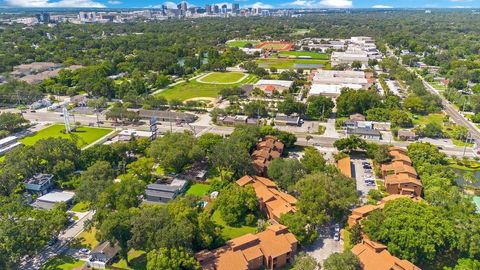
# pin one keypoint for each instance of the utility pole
(465, 146)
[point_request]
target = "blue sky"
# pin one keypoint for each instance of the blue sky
(251, 3)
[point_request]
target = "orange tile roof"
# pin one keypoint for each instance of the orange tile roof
(402, 178)
(365, 210)
(275, 241)
(276, 201)
(375, 256)
(266, 182)
(345, 167)
(399, 167)
(245, 180)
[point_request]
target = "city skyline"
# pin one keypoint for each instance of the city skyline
(266, 4)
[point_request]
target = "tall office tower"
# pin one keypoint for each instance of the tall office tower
(216, 9)
(235, 7)
(208, 9)
(43, 17)
(224, 8)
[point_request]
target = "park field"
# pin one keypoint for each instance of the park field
(241, 43)
(83, 136)
(280, 63)
(223, 77)
(312, 55)
(196, 89)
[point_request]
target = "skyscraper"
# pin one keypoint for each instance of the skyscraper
(224, 8)
(235, 7)
(216, 9)
(208, 9)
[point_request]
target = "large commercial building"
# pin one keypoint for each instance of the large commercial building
(270, 249)
(330, 82)
(359, 49)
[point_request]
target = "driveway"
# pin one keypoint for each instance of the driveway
(359, 174)
(325, 246)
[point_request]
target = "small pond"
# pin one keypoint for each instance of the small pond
(460, 180)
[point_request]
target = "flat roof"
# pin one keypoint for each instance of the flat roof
(57, 196)
(8, 139)
(283, 83)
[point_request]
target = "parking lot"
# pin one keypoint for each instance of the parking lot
(362, 173)
(325, 245)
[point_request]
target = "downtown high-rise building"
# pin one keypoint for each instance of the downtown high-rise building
(235, 7)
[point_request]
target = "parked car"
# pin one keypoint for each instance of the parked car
(337, 227)
(336, 237)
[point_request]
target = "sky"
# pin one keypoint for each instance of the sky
(382, 4)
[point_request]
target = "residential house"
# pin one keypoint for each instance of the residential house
(163, 192)
(39, 184)
(102, 255)
(49, 200)
(407, 135)
(375, 256)
(271, 200)
(271, 249)
(267, 150)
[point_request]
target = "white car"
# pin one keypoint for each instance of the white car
(337, 228)
(336, 237)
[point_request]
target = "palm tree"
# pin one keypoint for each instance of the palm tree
(308, 138)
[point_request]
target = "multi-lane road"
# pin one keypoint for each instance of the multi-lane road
(203, 125)
(454, 114)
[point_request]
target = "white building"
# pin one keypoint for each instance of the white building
(269, 86)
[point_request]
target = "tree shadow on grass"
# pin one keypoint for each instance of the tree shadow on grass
(59, 262)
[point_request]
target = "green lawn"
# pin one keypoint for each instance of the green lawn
(198, 190)
(62, 262)
(137, 259)
(195, 89)
(425, 119)
(80, 207)
(438, 86)
(223, 77)
(242, 43)
(83, 136)
(313, 55)
(290, 63)
(231, 232)
(86, 239)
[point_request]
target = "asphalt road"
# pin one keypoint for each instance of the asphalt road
(455, 115)
(60, 247)
(203, 127)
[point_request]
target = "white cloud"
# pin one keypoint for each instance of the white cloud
(461, 1)
(460, 7)
(381, 6)
(50, 4)
(321, 3)
(260, 5)
(114, 2)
